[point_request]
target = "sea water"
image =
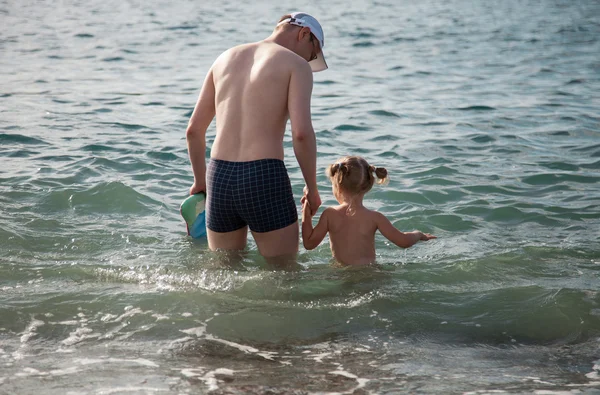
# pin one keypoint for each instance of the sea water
(486, 115)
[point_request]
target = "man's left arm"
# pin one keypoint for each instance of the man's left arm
(304, 140)
(203, 114)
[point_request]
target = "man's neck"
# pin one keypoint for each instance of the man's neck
(279, 38)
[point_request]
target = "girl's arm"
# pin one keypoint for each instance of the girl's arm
(401, 239)
(311, 238)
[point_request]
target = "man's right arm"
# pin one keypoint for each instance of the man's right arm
(303, 134)
(203, 114)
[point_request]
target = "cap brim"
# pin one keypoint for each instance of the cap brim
(319, 63)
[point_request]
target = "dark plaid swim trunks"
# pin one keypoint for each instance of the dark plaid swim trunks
(256, 193)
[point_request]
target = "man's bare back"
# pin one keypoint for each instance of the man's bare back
(253, 90)
(252, 82)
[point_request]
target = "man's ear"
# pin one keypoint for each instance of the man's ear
(304, 32)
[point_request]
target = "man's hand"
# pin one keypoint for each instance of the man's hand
(313, 198)
(198, 187)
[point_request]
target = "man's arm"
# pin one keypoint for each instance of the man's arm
(203, 114)
(303, 134)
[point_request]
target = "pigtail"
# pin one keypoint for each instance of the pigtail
(381, 174)
(332, 170)
(337, 171)
(343, 169)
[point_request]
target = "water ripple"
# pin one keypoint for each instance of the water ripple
(20, 139)
(485, 116)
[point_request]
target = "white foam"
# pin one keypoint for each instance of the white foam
(72, 322)
(270, 355)
(241, 347)
(193, 372)
(177, 341)
(31, 329)
(108, 317)
(79, 335)
(28, 333)
(144, 362)
(30, 372)
(224, 371)
(65, 350)
(130, 311)
(111, 334)
(211, 381)
(319, 357)
(64, 372)
(198, 331)
(361, 382)
(138, 361)
(88, 361)
(344, 373)
(117, 390)
(543, 382)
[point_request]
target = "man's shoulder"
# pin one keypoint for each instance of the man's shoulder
(264, 49)
(234, 50)
(284, 56)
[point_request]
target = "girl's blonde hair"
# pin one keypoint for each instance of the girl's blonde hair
(353, 174)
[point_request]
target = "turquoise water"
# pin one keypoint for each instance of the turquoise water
(486, 115)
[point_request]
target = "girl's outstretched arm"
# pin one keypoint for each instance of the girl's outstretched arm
(401, 239)
(311, 238)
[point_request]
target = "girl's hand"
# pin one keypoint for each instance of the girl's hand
(426, 236)
(306, 211)
(304, 193)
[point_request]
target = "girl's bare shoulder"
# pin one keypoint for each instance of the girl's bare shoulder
(334, 213)
(373, 215)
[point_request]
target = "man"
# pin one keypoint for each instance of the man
(253, 89)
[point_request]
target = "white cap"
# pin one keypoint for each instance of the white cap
(304, 20)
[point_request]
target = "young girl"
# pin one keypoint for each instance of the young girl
(352, 226)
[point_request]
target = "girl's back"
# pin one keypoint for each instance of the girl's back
(352, 234)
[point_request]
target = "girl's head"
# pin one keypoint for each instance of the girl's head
(355, 176)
